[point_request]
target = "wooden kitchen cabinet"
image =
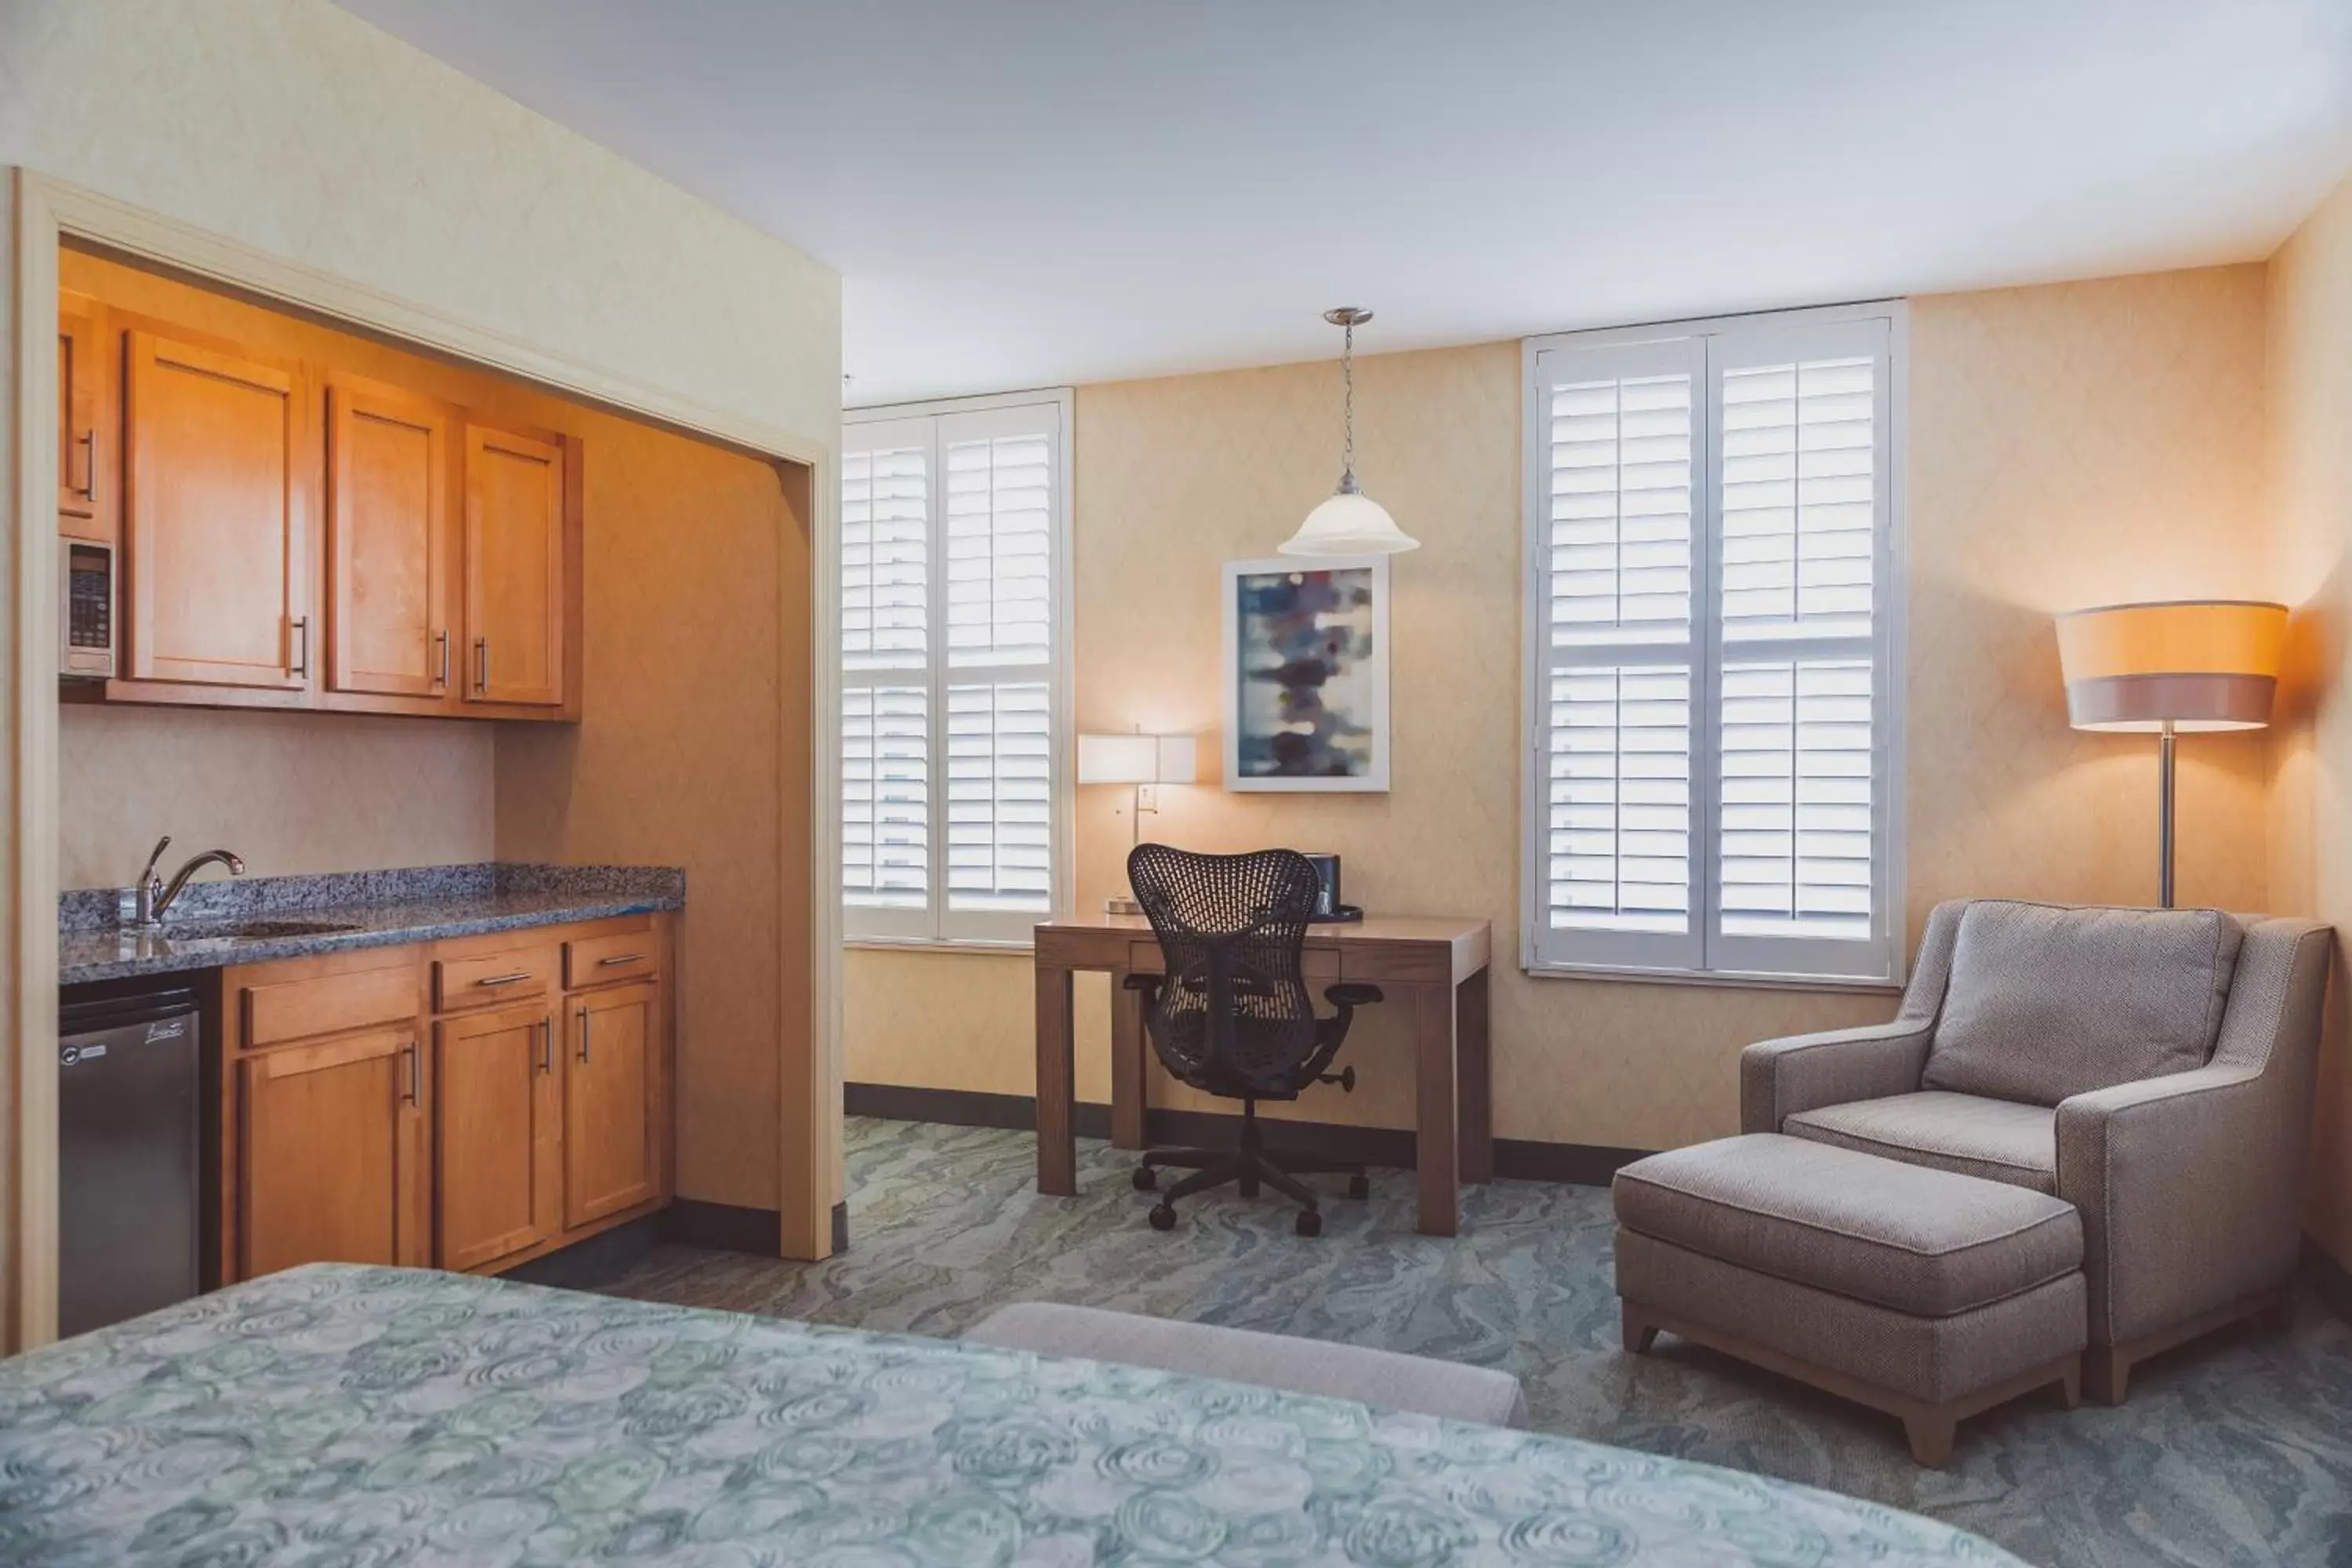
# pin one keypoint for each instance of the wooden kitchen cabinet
(612, 1147)
(519, 553)
(499, 1138)
(388, 540)
(332, 1140)
(447, 1103)
(85, 402)
(293, 534)
(215, 517)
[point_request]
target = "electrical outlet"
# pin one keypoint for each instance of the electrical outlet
(1147, 797)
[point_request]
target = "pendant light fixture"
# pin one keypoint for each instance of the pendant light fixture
(1350, 523)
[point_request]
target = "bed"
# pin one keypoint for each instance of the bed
(352, 1415)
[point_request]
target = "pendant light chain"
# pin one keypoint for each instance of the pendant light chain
(1347, 378)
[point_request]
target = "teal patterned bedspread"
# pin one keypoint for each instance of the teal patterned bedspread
(347, 1415)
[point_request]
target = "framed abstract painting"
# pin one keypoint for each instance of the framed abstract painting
(1307, 674)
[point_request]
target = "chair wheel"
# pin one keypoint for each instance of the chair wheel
(1162, 1218)
(1146, 1178)
(1360, 1186)
(1310, 1223)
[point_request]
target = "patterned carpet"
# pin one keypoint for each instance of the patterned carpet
(2234, 1450)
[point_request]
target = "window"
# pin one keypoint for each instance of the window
(954, 652)
(1711, 688)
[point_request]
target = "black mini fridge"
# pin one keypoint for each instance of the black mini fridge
(129, 1105)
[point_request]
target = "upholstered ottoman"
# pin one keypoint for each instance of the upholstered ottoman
(1925, 1293)
(1385, 1378)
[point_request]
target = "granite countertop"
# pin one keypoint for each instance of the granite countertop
(366, 909)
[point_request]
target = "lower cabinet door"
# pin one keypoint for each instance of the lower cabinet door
(497, 1149)
(612, 1158)
(332, 1167)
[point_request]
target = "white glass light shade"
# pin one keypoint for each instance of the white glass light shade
(1136, 759)
(1350, 523)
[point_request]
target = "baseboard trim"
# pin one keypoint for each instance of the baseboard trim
(1579, 1164)
(2329, 1279)
(595, 1260)
(727, 1227)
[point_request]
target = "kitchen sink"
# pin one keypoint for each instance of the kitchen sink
(245, 930)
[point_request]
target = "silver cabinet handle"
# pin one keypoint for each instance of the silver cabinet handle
(482, 665)
(301, 624)
(504, 979)
(546, 1044)
(583, 1035)
(89, 444)
(620, 958)
(441, 642)
(416, 1075)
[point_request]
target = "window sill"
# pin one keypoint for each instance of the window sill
(1720, 979)
(935, 945)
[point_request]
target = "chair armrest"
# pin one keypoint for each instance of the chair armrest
(1777, 1078)
(1352, 995)
(1146, 983)
(2190, 1192)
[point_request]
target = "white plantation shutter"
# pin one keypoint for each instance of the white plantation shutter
(954, 531)
(1710, 534)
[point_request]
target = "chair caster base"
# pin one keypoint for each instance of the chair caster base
(1162, 1218)
(1144, 1178)
(1309, 1223)
(1359, 1187)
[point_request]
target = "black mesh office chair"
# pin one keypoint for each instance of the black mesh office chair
(1233, 1016)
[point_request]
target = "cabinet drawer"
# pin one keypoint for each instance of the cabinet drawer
(593, 960)
(329, 1004)
(491, 977)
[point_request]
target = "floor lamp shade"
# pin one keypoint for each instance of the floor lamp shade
(2171, 668)
(2189, 664)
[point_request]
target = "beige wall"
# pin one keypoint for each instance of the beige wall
(289, 792)
(291, 127)
(2311, 478)
(2069, 445)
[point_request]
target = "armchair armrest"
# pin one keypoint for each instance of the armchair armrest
(2191, 1188)
(1777, 1078)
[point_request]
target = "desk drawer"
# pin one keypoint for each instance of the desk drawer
(491, 977)
(1319, 964)
(595, 960)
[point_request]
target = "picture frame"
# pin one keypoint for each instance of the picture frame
(1326, 729)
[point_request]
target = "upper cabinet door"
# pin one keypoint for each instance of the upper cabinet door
(85, 492)
(388, 480)
(215, 518)
(515, 568)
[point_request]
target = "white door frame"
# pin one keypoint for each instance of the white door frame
(46, 211)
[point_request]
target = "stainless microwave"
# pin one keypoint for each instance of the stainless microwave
(86, 612)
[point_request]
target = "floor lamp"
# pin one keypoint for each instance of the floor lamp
(2179, 667)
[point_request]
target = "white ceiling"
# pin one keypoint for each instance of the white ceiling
(1020, 192)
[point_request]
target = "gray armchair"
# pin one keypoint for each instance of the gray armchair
(2154, 1069)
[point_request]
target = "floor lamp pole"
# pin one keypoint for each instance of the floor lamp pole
(2164, 814)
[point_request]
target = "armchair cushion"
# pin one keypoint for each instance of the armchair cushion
(2047, 1001)
(1998, 1139)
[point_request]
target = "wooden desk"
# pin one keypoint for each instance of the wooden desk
(1434, 968)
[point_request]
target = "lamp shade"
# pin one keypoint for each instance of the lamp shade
(1350, 523)
(2192, 664)
(1136, 759)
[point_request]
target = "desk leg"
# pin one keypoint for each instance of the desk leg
(1058, 1145)
(1126, 1064)
(1436, 1150)
(1478, 1080)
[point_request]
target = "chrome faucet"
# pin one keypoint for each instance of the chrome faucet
(152, 897)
